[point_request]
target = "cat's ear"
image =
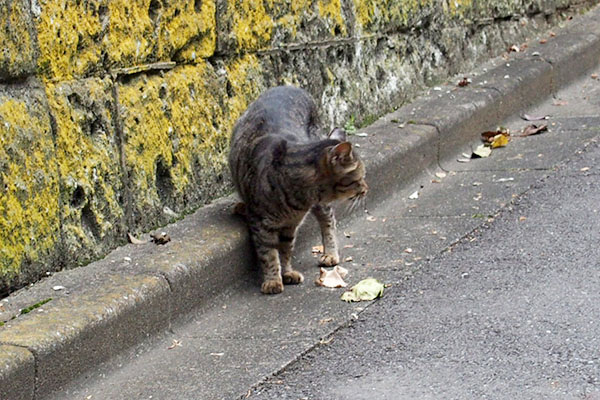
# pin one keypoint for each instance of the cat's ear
(337, 134)
(279, 152)
(342, 150)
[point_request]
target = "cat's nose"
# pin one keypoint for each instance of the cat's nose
(364, 188)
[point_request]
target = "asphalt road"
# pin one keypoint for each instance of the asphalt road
(494, 273)
(511, 311)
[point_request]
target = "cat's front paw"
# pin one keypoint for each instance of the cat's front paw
(292, 277)
(329, 260)
(272, 287)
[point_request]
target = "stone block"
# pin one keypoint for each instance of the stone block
(88, 157)
(17, 40)
(186, 30)
(70, 35)
(29, 214)
(175, 139)
(265, 25)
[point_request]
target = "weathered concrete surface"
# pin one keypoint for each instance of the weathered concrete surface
(164, 82)
(141, 289)
(17, 373)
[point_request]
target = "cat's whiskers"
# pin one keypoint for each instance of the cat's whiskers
(354, 203)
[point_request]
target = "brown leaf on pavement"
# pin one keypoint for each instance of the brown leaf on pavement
(464, 82)
(160, 238)
(333, 278)
(489, 136)
(533, 130)
(527, 117)
(134, 240)
(558, 102)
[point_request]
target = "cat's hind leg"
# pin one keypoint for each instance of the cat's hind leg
(326, 218)
(287, 238)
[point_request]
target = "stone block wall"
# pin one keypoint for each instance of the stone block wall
(115, 115)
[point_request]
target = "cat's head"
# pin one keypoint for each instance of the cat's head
(345, 168)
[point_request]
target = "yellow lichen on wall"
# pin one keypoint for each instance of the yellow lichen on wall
(18, 49)
(292, 18)
(198, 120)
(29, 221)
(244, 76)
(251, 25)
(87, 157)
(331, 10)
(130, 38)
(373, 14)
(172, 124)
(68, 35)
(146, 134)
(188, 27)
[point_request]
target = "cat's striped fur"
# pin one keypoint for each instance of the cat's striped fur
(283, 166)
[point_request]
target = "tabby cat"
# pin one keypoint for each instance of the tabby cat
(283, 166)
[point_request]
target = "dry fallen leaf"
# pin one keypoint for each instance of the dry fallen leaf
(500, 140)
(558, 102)
(134, 240)
(367, 289)
(325, 320)
(176, 343)
(408, 250)
(527, 117)
(349, 259)
(481, 151)
(333, 278)
(489, 136)
(464, 82)
(533, 130)
(160, 238)
(543, 41)
(440, 175)
(371, 218)
(594, 76)
(522, 219)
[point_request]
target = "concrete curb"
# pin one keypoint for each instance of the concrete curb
(138, 290)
